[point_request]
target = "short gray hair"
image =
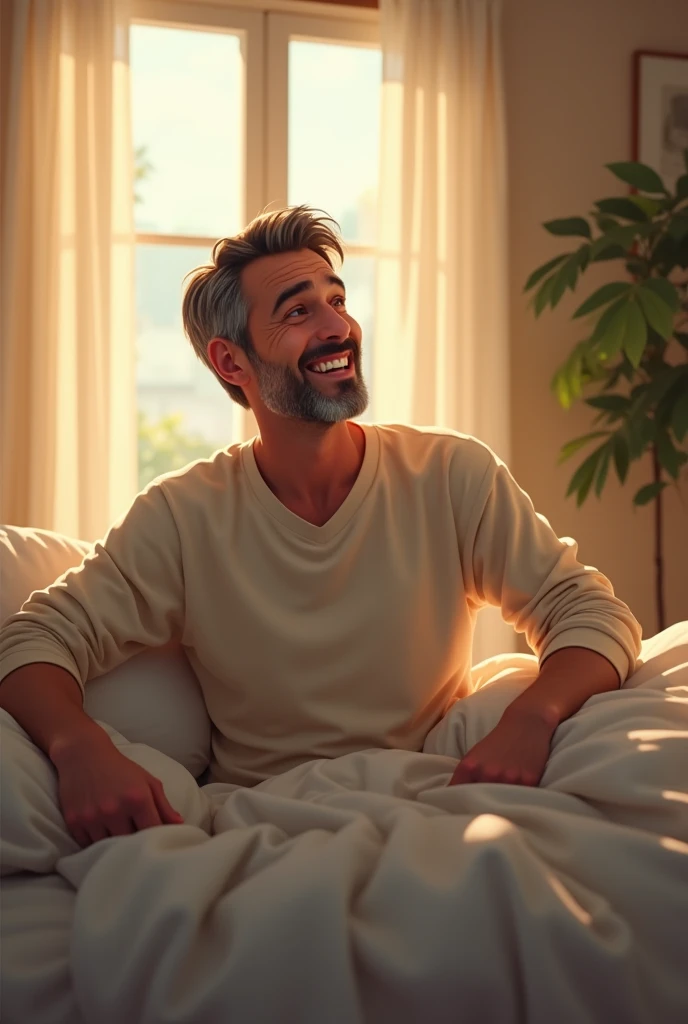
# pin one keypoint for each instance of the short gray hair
(214, 305)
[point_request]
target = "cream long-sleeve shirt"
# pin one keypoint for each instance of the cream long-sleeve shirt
(314, 641)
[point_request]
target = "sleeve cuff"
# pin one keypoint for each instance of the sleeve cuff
(593, 640)
(29, 656)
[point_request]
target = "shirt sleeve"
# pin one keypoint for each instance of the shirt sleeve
(512, 558)
(127, 595)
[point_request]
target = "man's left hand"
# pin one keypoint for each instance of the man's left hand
(515, 752)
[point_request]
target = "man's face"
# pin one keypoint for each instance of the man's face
(298, 322)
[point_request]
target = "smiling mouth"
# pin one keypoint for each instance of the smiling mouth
(336, 372)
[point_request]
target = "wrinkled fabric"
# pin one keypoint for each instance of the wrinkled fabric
(364, 889)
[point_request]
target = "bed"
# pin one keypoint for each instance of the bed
(364, 888)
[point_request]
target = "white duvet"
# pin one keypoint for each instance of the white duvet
(364, 889)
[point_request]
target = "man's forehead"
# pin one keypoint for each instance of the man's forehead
(269, 274)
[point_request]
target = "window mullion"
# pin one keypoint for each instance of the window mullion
(277, 115)
(253, 106)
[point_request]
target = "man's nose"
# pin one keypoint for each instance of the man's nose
(332, 325)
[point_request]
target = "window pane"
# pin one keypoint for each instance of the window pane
(184, 412)
(187, 89)
(334, 129)
(358, 274)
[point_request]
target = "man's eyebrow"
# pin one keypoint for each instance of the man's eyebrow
(303, 286)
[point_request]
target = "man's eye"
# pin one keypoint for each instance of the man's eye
(298, 310)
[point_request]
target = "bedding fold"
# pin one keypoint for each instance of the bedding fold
(364, 889)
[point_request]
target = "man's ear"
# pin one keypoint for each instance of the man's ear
(229, 361)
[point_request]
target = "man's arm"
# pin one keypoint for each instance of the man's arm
(512, 558)
(517, 750)
(47, 703)
(586, 639)
(566, 680)
(127, 595)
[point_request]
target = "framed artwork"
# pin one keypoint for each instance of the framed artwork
(660, 112)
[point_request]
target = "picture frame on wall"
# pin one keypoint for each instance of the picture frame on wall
(660, 112)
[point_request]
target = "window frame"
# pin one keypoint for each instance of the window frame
(281, 28)
(264, 28)
(250, 27)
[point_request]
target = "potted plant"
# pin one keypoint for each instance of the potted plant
(635, 348)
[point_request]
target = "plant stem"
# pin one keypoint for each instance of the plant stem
(659, 563)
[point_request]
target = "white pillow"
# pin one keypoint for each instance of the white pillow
(152, 698)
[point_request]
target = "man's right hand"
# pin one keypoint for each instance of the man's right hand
(103, 793)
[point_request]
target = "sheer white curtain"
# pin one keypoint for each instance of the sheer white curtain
(441, 341)
(67, 390)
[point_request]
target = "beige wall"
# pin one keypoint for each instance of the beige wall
(568, 89)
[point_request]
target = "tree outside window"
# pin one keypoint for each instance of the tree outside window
(164, 444)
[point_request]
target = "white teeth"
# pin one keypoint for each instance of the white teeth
(332, 365)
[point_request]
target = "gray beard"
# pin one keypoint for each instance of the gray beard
(284, 394)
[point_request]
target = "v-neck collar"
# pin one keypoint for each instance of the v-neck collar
(274, 507)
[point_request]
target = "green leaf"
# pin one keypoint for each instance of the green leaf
(569, 379)
(669, 458)
(682, 187)
(679, 418)
(542, 271)
(543, 295)
(583, 256)
(560, 387)
(657, 313)
(602, 471)
(581, 480)
(610, 403)
(623, 236)
(666, 379)
(620, 206)
(572, 447)
(613, 378)
(565, 277)
(639, 433)
(603, 221)
(627, 370)
(572, 369)
(650, 207)
(614, 252)
(685, 158)
(639, 176)
(620, 452)
(648, 492)
(665, 290)
(569, 226)
(665, 253)
(635, 336)
(602, 296)
(593, 369)
(605, 319)
(573, 268)
(611, 330)
(647, 432)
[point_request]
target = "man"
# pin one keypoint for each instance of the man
(323, 578)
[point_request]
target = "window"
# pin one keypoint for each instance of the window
(235, 109)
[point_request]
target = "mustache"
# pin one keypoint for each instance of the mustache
(329, 352)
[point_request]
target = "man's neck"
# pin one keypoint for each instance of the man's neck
(310, 467)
